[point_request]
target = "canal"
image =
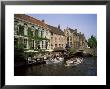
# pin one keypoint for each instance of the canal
(87, 68)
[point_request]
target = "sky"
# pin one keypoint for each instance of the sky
(84, 23)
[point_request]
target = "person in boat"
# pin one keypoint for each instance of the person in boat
(29, 59)
(34, 58)
(45, 57)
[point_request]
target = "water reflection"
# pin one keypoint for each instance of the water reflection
(87, 68)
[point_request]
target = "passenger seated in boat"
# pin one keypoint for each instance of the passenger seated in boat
(34, 58)
(29, 59)
(58, 58)
(44, 57)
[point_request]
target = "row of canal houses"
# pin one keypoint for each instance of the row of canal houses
(34, 34)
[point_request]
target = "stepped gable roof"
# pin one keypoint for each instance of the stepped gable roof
(30, 19)
(55, 30)
(71, 30)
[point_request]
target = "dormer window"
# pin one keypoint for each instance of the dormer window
(25, 24)
(16, 21)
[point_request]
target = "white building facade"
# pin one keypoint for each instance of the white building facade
(30, 34)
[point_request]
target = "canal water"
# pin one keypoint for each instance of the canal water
(87, 68)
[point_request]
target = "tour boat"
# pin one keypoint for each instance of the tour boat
(61, 58)
(54, 60)
(74, 62)
(48, 61)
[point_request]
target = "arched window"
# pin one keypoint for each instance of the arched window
(16, 30)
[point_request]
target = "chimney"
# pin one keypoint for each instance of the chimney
(43, 20)
(76, 30)
(58, 26)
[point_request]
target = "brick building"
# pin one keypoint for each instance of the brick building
(58, 38)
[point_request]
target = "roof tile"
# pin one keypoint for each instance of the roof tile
(31, 19)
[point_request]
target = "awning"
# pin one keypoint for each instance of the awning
(30, 51)
(59, 49)
(49, 50)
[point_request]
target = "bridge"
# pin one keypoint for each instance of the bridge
(90, 51)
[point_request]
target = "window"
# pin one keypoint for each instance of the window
(71, 43)
(42, 43)
(59, 39)
(51, 33)
(67, 38)
(36, 32)
(55, 45)
(70, 38)
(51, 38)
(62, 39)
(51, 46)
(21, 30)
(16, 42)
(46, 32)
(46, 45)
(25, 43)
(25, 24)
(32, 26)
(25, 30)
(55, 39)
(33, 34)
(33, 30)
(32, 44)
(38, 44)
(68, 43)
(16, 30)
(59, 45)
(41, 33)
(15, 21)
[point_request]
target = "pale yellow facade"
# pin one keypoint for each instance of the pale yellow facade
(57, 41)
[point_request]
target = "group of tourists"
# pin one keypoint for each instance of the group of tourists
(43, 57)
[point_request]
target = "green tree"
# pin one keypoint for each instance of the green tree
(21, 30)
(92, 42)
(19, 55)
(71, 50)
